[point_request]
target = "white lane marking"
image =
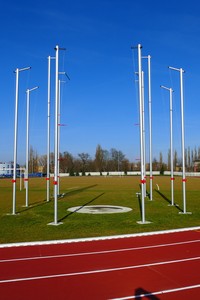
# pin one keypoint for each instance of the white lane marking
(99, 271)
(189, 287)
(98, 252)
(101, 238)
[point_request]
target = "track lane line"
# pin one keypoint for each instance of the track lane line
(99, 271)
(159, 292)
(98, 252)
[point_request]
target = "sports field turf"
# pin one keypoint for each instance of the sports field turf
(30, 223)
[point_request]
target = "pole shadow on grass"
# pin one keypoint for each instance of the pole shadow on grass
(140, 203)
(73, 192)
(168, 200)
(33, 205)
(61, 196)
(69, 214)
(140, 293)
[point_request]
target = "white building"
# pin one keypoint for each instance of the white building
(6, 169)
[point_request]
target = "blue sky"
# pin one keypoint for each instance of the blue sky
(99, 105)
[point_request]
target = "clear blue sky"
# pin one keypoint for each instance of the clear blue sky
(99, 103)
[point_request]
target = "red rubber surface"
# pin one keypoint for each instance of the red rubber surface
(106, 269)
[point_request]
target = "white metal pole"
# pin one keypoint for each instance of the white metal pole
(171, 142)
(59, 137)
(27, 144)
(144, 133)
(27, 140)
(183, 140)
(171, 148)
(48, 125)
(150, 129)
(56, 141)
(15, 137)
(142, 181)
(20, 179)
(15, 142)
(181, 71)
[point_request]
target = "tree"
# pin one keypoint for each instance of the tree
(33, 160)
(66, 163)
(99, 159)
(116, 159)
(85, 161)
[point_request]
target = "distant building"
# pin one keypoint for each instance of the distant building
(6, 169)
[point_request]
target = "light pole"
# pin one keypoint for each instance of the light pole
(17, 71)
(181, 71)
(27, 138)
(171, 142)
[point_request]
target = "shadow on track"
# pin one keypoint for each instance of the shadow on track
(140, 293)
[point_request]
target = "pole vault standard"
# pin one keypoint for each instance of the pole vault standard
(27, 138)
(48, 125)
(181, 71)
(17, 71)
(171, 141)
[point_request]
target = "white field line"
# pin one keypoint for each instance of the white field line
(98, 252)
(101, 238)
(100, 271)
(189, 287)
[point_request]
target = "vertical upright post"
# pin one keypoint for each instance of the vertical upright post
(143, 133)
(59, 136)
(27, 140)
(15, 138)
(142, 181)
(171, 147)
(56, 140)
(15, 141)
(150, 130)
(27, 144)
(171, 142)
(48, 126)
(183, 141)
(181, 71)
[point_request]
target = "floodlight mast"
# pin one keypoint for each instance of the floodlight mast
(171, 141)
(17, 71)
(181, 71)
(27, 139)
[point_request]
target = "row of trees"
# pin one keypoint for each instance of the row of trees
(104, 161)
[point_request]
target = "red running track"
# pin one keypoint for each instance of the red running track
(162, 266)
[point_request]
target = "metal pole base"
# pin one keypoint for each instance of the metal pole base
(145, 222)
(11, 214)
(55, 224)
(173, 204)
(185, 213)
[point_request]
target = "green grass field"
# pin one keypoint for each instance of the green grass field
(30, 224)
